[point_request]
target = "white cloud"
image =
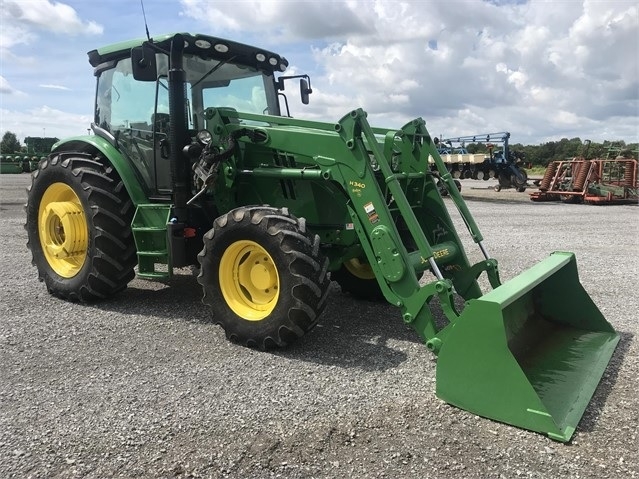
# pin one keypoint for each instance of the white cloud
(44, 23)
(7, 89)
(536, 70)
(283, 19)
(23, 22)
(56, 17)
(4, 86)
(43, 121)
(55, 87)
(12, 33)
(526, 66)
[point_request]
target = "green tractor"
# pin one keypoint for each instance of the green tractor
(192, 162)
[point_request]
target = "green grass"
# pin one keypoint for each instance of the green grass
(536, 171)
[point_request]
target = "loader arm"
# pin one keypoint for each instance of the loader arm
(397, 269)
(528, 353)
(386, 179)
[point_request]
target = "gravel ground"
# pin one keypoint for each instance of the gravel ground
(145, 385)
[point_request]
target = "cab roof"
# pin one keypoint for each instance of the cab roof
(196, 44)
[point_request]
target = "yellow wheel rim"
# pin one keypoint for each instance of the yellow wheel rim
(63, 230)
(249, 280)
(359, 269)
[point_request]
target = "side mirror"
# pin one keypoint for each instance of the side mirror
(143, 63)
(305, 91)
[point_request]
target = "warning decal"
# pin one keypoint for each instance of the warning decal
(370, 211)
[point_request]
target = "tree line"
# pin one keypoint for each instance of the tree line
(34, 145)
(565, 149)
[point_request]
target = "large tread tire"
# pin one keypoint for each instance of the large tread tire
(359, 281)
(298, 270)
(93, 189)
(520, 185)
(443, 190)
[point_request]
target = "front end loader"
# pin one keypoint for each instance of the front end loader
(194, 162)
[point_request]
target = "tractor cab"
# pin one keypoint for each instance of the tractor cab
(143, 116)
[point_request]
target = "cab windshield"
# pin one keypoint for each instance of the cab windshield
(136, 113)
(210, 83)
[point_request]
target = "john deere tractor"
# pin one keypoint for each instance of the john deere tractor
(193, 162)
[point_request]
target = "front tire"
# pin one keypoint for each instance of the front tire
(79, 227)
(443, 189)
(520, 184)
(263, 275)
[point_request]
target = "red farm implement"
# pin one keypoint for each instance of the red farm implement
(597, 181)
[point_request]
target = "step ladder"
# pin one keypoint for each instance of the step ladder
(150, 232)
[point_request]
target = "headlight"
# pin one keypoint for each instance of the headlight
(204, 137)
(205, 44)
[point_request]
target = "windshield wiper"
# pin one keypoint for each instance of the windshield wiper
(214, 69)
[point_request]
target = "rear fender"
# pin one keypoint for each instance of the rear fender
(94, 144)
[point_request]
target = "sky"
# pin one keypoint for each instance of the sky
(541, 70)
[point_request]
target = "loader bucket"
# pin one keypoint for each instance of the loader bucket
(530, 353)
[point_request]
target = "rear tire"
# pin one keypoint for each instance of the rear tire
(263, 275)
(357, 278)
(79, 227)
